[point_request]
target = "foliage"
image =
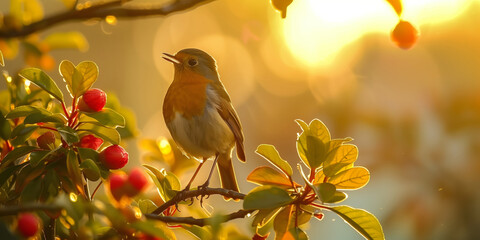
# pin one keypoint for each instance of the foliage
(290, 205)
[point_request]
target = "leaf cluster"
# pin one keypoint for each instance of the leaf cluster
(291, 205)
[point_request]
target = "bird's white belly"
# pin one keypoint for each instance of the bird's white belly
(202, 136)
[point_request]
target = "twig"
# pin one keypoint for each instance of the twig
(198, 192)
(101, 10)
(13, 210)
(198, 221)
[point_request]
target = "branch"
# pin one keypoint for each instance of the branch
(195, 193)
(198, 221)
(102, 10)
(13, 210)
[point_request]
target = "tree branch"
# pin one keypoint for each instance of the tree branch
(195, 193)
(13, 210)
(198, 221)
(102, 10)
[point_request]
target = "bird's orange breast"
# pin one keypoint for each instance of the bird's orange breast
(187, 95)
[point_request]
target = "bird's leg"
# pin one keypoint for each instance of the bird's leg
(205, 185)
(194, 175)
(179, 195)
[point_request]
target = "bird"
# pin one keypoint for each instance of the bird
(200, 116)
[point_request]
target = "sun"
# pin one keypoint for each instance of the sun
(316, 30)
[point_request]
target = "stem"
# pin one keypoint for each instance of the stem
(14, 210)
(199, 221)
(96, 189)
(49, 229)
(65, 110)
(49, 128)
(198, 192)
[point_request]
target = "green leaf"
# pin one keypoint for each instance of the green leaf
(325, 191)
(88, 153)
(297, 234)
(146, 206)
(107, 134)
(107, 117)
(5, 128)
(166, 182)
(8, 172)
(73, 170)
(66, 40)
(339, 158)
(353, 178)
(312, 144)
(362, 221)
(337, 197)
(264, 216)
(32, 191)
(271, 154)
(25, 110)
(42, 80)
(68, 134)
(268, 176)
(90, 169)
(264, 197)
(198, 232)
(37, 117)
(21, 133)
(38, 156)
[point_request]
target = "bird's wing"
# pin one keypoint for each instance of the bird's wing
(228, 113)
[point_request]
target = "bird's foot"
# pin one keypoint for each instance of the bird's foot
(202, 188)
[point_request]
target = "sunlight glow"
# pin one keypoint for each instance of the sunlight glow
(315, 31)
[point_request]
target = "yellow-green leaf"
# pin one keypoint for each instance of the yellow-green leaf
(267, 196)
(67, 69)
(107, 134)
(282, 221)
(66, 40)
(271, 154)
(353, 178)
(339, 158)
(362, 221)
(396, 5)
(41, 79)
(89, 71)
(266, 175)
(264, 216)
(325, 191)
(318, 129)
(106, 117)
(73, 170)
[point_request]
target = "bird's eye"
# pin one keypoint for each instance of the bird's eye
(192, 62)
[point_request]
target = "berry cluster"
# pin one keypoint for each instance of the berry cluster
(122, 185)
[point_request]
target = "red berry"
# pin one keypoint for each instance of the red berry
(93, 100)
(117, 181)
(28, 224)
(138, 180)
(46, 140)
(114, 157)
(404, 35)
(90, 141)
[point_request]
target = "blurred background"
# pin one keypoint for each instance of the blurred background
(414, 114)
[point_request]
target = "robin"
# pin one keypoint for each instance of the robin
(200, 116)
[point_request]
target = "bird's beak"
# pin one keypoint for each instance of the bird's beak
(171, 58)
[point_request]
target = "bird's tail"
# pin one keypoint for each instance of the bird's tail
(226, 172)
